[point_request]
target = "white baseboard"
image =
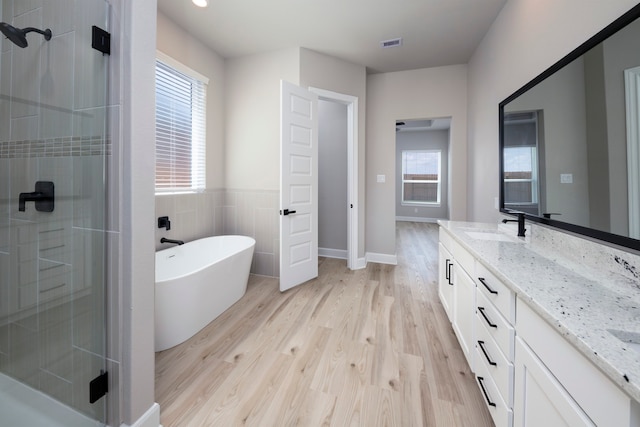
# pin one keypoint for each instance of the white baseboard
(360, 263)
(332, 253)
(382, 258)
(416, 219)
(151, 418)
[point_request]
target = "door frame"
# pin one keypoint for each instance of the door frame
(351, 102)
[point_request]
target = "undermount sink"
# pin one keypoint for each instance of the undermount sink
(490, 235)
(631, 339)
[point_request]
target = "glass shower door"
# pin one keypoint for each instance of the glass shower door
(54, 148)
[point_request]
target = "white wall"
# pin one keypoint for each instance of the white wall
(253, 117)
(416, 94)
(526, 38)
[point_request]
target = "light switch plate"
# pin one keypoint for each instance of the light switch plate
(381, 178)
(566, 178)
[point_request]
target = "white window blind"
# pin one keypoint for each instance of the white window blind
(180, 129)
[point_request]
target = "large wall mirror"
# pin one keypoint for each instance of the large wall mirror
(570, 140)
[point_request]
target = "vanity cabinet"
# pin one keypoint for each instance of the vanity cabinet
(445, 281)
(457, 291)
(555, 385)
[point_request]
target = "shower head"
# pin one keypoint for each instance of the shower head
(19, 36)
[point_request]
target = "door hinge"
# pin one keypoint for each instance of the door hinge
(99, 386)
(101, 40)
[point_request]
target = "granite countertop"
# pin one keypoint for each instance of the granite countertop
(584, 297)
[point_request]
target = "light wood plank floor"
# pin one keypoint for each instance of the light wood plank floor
(370, 347)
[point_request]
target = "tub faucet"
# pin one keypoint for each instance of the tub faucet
(520, 221)
(175, 242)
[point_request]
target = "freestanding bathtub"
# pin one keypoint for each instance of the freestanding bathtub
(196, 282)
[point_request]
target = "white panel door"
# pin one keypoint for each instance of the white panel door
(298, 186)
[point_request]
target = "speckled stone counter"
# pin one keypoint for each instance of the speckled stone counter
(589, 292)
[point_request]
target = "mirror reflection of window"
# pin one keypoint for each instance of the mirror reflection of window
(521, 162)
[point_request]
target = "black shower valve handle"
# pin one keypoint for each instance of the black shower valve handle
(163, 222)
(43, 196)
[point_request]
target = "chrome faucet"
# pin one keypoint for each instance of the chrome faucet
(520, 221)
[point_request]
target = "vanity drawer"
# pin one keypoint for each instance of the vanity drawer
(488, 317)
(463, 258)
(501, 413)
(496, 364)
(496, 292)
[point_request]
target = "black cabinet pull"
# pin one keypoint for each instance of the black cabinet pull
(446, 271)
(481, 310)
(481, 279)
(491, 362)
(484, 391)
(449, 269)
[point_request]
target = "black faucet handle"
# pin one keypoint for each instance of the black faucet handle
(163, 222)
(43, 197)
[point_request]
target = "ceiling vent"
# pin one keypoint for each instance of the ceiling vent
(391, 43)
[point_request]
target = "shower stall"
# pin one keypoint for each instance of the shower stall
(55, 150)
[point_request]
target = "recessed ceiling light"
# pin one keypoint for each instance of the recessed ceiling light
(200, 3)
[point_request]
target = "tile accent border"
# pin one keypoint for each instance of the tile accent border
(71, 146)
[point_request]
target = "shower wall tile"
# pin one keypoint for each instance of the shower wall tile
(24, 354)
(6, 8)
(113, 168)
(56, 16)
(25, 71)
(24, 6)
(115, 399)
(57, 87)
(5, 91)
(113, 296)
(89, 62)
(55, 340)
(4, 193)
(192, 215)
(4, 298)
(56, 169)
(24, 128)
(88, 192)
(59, 388)
(89, 291)
(255, 214)
(87, 366)
(24, 174)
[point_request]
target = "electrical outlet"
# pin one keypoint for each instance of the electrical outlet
(566, 178)
(381, 178)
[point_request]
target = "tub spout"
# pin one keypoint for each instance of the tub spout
(175, 242)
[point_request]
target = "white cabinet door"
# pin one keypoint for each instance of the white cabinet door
(540, 400)
(445, 282)
(464, 292)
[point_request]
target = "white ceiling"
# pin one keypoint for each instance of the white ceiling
(434, 32)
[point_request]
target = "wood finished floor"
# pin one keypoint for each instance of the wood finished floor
(370, 347)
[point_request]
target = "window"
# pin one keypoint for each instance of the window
(421, 177)
(180, 127)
